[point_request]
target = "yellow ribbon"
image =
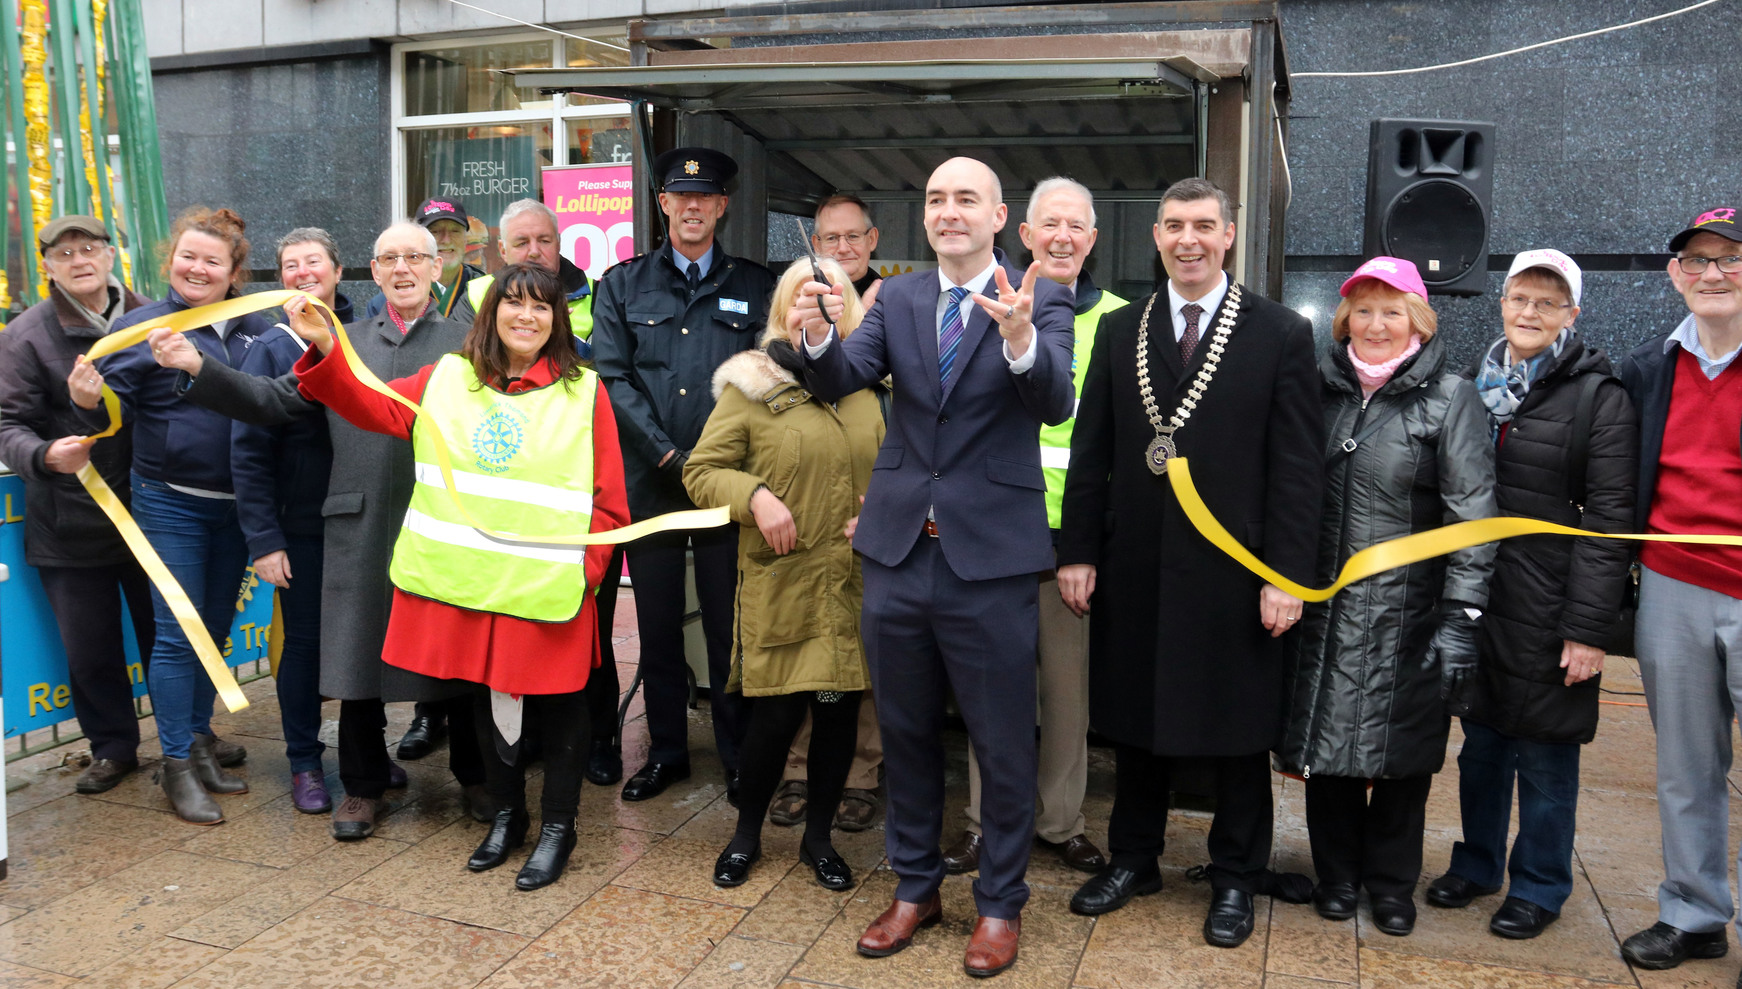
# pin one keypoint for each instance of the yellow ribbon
(1394, 553)
(186, 614)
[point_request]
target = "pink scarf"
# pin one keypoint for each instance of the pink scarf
(1374, 376)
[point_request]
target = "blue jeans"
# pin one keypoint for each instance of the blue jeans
(1548, 801)
(201, 544)
(299, 665)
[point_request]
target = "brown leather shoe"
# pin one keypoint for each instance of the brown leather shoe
(102, 775)
(964, 855)
(992, 947)
(355, 818)
(858, 809)
(1079, 853)
(893, 929)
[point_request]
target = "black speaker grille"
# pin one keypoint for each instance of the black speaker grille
(1437, 224)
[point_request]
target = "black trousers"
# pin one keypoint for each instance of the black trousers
(363, 763)
(86, 602)
(1239, 833)
(656, 565)
(561, 723)
(1372, 840)
(463, 758)
(603, 689)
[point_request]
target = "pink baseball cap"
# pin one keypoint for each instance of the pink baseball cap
(1396, 272)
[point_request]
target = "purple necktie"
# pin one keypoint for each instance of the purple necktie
(950, 337)
(1188, 340)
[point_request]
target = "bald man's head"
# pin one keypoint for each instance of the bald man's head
(964, 210)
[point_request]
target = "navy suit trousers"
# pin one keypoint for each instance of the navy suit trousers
(927, 630)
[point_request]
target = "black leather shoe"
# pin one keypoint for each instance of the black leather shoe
(421, 737)
(1393, 915)
(1521, 920)
(1663, 946)
(604, 763)
(1231, 920)
(1453, 891)
(1112, 888)
(832, 871)
(545, 865)
(732, 868)
(653, 779)
(964, 855)
(507, 832)
(1335, 901)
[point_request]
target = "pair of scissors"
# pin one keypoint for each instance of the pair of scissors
(816, 267)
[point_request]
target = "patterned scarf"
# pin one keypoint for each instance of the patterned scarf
(399, 320)
(1504, 384)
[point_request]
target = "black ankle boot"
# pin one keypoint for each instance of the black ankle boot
(507, 832)
(545, 865)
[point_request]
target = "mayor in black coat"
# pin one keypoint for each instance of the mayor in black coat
(1187, 647)
(1567, 448)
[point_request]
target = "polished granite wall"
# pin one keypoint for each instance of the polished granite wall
(287, 145)
(1606, 145)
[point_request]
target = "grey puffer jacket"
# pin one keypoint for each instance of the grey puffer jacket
(1362, 699)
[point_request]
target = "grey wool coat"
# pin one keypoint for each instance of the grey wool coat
(1363, 699)
(366, 500)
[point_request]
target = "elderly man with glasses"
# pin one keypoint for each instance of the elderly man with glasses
(1690, 597)
(77, 553)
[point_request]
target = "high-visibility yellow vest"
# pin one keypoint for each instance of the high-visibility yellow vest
(580, 310)
(1055, 441)
(523, 464)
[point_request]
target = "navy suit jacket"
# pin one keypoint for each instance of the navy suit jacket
(969, 453)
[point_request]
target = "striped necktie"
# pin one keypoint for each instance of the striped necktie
(950, 337)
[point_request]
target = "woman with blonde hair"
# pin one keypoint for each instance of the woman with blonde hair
(792, 468)
(1379, 669)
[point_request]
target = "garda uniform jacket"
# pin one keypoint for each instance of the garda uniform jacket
(1362, 701)
(1548, 589)
(1179, 664)
(656, 350)
(797, 622)
(63, 527)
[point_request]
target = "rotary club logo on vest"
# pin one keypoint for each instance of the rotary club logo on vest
(498, 438)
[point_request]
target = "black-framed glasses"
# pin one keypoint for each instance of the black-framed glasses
(414, 259)
(1518, 303)
(89, 249)
(1693, 264)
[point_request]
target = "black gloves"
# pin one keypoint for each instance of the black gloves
(674, 466)
(1454, 648)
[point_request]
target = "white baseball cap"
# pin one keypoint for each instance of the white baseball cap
(1554, 261)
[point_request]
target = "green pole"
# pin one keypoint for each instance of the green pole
(75, 194)
(10, 46)
(99, 127)
(141, 163)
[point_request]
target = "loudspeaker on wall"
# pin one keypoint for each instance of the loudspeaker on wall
(1430, 189)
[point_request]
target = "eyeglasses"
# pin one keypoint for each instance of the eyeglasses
(90, 249)
(853, 240)
(1693, 264)
(414, 259)
(1518, 304)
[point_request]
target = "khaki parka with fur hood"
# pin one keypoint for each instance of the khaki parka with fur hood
(797, 618)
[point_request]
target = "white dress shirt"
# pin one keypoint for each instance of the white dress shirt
(1210, 302)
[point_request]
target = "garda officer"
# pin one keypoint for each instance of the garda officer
(662, 323)
(1060, 232)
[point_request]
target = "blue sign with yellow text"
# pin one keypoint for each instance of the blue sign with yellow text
(33, 665)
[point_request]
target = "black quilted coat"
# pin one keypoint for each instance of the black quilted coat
(1363, 700)
(1548, 589)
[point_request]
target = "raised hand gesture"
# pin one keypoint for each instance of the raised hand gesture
(306, 322)
(1013, 310)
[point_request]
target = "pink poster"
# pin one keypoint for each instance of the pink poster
(592, 204)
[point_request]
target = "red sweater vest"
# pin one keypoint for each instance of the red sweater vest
(1699, 478)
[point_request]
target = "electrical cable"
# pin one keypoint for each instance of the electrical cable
(541, 27)
(1484, 58)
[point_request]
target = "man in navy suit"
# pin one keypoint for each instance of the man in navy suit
(952, 535)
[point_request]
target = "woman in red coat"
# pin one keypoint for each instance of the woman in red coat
(519, 413)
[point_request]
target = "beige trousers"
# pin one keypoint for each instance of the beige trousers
(1064, 723)
(867, 754)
